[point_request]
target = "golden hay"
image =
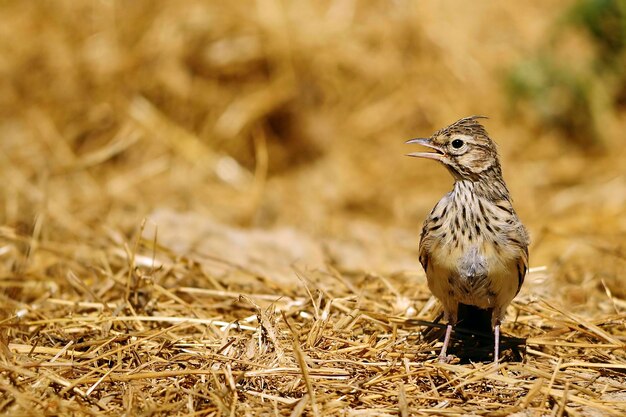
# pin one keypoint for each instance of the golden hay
(206, 210)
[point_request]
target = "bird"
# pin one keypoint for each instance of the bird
(473, 247)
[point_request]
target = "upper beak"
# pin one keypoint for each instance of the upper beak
(437, 155)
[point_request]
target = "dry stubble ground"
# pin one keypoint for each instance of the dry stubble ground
(206, 211)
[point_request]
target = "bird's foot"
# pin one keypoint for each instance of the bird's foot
(445, 358)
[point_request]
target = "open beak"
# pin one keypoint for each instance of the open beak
(437, 155)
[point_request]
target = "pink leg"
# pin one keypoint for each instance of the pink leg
(443, 357)
(496, 351)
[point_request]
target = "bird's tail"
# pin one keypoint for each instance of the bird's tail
(474, 320)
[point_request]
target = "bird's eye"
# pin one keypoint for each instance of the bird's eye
(457, 143)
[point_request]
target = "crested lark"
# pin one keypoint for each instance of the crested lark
(473, 247)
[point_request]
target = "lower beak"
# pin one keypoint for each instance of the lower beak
(437, 155)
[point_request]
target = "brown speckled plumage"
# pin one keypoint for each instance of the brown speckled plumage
(473, 247)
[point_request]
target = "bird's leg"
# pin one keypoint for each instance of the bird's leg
(443, 357)
(496, 349)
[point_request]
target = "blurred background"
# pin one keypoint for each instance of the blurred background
(272, 114)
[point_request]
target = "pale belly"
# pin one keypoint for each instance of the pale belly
(475, 275)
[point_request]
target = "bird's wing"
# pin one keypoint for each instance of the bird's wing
(517, 237)
(522, 267)
(425, 244)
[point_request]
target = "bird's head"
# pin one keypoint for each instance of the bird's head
(463, 147)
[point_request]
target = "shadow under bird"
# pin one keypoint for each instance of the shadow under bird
(473, 247)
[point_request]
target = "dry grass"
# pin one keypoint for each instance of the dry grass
(205, 211)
